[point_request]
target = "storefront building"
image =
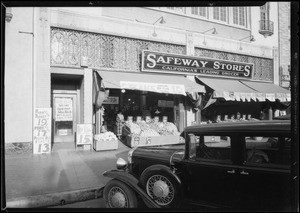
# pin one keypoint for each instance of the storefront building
(166, 65)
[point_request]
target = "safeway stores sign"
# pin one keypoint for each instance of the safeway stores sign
(180, 64)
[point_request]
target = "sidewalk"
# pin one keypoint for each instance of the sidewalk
(64, 176)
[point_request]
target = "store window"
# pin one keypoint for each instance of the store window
(239, 16)
(199, 11)
(220, 13)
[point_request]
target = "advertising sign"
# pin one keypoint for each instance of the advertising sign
(181, 64)
(154, 87)
(111, 100)
(63, 109)
(84, 134)
(42, 131)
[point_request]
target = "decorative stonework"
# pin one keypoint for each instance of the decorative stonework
(102, 51)
(263, 67)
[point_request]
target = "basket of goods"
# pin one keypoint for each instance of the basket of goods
(105, 141)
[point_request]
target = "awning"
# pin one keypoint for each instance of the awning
(269, 91)
(229, 89)
(238, 90)
(160, 83)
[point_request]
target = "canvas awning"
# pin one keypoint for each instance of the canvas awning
(230, 90)
(237, 90)
(269, 91)
(160, 83)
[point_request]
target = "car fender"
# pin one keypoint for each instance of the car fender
(132, 182)
(164, 168)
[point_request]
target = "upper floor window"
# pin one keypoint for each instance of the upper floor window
(220, 13)
(177, 9)
(200, 11)
(239, 16)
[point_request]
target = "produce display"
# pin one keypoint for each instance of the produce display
(107, 136)
(151, 128)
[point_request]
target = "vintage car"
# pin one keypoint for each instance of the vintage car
(244, 165)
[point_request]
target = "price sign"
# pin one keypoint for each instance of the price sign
(138, 119)
(165, 119)
(156, 119)
(148, 118)
(84, 134)
(148, 140)
(42, 131)
(130, 118)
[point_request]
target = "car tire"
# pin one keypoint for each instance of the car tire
(119, 195)
(163, 187)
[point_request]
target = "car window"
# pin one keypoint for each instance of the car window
(267, 150)
(214, 147)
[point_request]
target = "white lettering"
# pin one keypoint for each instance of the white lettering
(216, 65)
(195, 63)
(177, 61)
(149, 58)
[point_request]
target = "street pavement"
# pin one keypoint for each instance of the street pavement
(61, 177)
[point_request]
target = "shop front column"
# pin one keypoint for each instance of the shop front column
(88, 96)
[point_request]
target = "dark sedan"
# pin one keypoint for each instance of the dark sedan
(235, 166)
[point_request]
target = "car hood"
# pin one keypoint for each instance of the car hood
(159, 153)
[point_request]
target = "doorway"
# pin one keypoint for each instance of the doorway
(64, 117)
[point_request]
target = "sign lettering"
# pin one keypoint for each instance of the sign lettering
(42, 131)
(180, 64)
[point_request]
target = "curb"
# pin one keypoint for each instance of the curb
(56, 199)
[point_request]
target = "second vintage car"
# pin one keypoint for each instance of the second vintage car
(243, 165)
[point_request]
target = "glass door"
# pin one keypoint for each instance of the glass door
(64, 117)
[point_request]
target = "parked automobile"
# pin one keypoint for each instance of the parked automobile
(239, 166)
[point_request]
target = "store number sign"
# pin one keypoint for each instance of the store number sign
(84, 134)
(42, 131)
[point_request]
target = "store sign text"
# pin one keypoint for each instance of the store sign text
(179, 64)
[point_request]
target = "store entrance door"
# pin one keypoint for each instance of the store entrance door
(64, 117)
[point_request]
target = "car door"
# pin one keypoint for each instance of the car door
(212, 172)
(266, 179)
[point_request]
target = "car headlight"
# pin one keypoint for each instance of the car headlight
(130, 155)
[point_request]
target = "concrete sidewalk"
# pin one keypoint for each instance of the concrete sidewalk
(62, 177)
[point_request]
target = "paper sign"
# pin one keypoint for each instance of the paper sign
(130, 118)
(148, 118)
(42, 131)
(138, 119)
(84, 134)
(165, 119)
(63, 109)
(156, 119)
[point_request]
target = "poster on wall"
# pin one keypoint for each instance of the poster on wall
(63, 109)
(84, 134)
(42, 131)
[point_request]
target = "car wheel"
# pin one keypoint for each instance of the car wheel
(162, 187)
(118, 195)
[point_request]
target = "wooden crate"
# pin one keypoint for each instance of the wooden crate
(133, 141)
(100, 145)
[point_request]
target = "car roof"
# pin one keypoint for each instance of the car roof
(243, 126)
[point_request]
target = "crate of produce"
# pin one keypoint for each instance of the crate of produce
(105, 141)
